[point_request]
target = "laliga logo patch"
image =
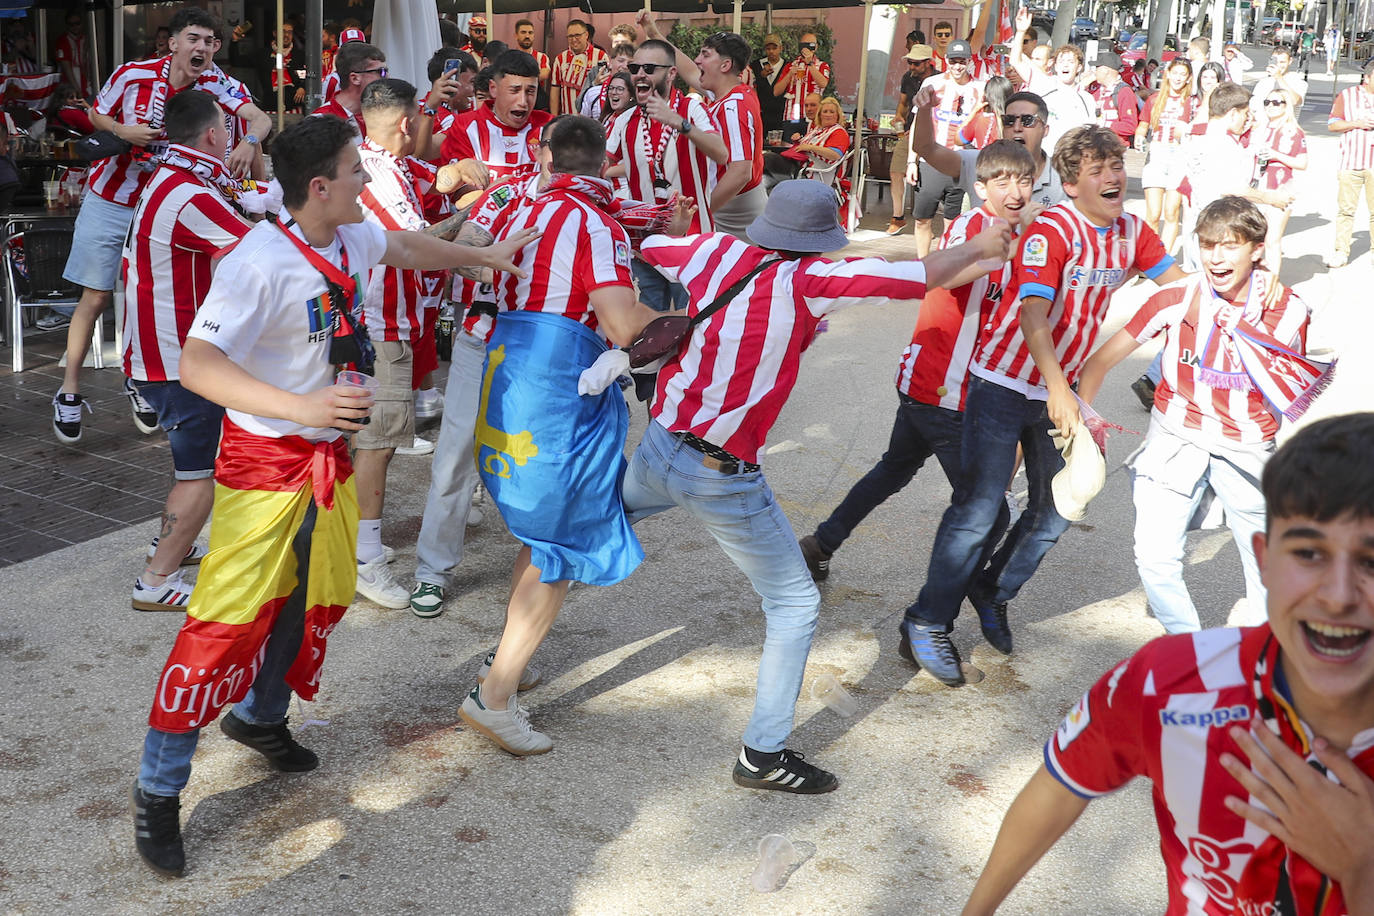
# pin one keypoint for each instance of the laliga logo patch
(1074, 723)
(1036, 252)
(622, 254)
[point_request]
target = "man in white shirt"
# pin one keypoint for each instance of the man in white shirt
(1279, 75)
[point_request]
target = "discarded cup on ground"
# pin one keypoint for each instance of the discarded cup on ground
(776, 856)
(828, 690)
(354, 379)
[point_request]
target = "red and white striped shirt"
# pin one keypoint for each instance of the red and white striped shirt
(1357, 146)
(987, 64)
(391, 306)
(730, 382)
(954, 104)
(73, 51)
(1184, 403)
(332, 107)
(331, 84)
(1289, 140)
(506, 150)
(569, 73)
(737, 119)
(1175, 118)
(136, 93)
(497, 205)
(1077, 266)
(1164, 714)
(659, 160)
(807, 83)
(540, 58)
(583, 249)
(934, 366)
(181, 223)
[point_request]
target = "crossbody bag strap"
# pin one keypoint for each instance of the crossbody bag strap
(724, 298)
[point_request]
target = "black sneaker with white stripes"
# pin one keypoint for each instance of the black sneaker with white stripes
(272, 741)
(157, 832)
(788, 771)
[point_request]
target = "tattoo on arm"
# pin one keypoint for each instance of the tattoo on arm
(447, 229)
(474, 237)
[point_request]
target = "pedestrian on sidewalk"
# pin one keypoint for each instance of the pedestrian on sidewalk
(1352, 116)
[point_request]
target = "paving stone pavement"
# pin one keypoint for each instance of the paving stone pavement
(647, 688)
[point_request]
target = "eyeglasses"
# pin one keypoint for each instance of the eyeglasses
(380, 71)
(647, 69)
(1274, 103)
(572, 35)
(1027, 120)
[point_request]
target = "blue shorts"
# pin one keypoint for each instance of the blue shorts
(192, 424)
(98, 243)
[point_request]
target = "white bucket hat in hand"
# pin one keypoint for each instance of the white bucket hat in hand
(1084, 473)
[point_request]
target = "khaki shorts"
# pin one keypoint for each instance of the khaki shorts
(393, 414)
(900, 152)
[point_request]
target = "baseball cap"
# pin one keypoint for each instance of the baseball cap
(772, 39)
(959, 49)
(351, 35)
(478, 20)
(920, 52)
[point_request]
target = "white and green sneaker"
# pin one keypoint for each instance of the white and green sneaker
(427, 600)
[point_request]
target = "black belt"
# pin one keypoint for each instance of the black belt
(715, 457)
(482, 308)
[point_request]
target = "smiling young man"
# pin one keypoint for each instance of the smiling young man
(932, 376)
(1295, 696)
(1234, 338)
(1068, 103)
(1028, 355)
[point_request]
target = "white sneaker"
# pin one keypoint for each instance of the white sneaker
(509, 727)
(475, 515)
(419, 448)
(429, 403)
(173, 594)
(377, 584)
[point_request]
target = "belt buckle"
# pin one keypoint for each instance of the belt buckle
(716, 464)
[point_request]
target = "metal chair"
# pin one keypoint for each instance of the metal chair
(44, 250)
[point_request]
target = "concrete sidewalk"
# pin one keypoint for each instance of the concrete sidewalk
(647, 688)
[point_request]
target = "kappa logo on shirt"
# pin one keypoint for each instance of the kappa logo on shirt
(1036, 252)
(1074, 723)
(1211, 718)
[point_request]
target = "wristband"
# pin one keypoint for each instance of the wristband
(251, 139)
(430, 112)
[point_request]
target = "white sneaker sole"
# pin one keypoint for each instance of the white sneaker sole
(497, 740)
(395, 602)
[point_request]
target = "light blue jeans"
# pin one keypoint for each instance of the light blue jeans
(166, 765)
(1162, 514)
(743, 516)
(453, 474)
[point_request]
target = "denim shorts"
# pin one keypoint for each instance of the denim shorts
(98, 243)
(192, 424)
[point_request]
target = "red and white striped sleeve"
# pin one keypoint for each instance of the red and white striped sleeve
(826, 286)
(1162, 310)
(737, 129)
(110, 100)
(605, 258)
(385, 196)
(670, 254)
(207, 224)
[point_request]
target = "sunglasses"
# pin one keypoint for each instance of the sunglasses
(380, 71)
(1027, 120)
(1274, 103)
(809, 45)
(944, 34)
(647, 69)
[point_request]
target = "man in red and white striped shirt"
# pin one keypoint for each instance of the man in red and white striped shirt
(572, 67)
(501, 136)
(801, 77)
(181, 224)
(720, 71)
(1352, 116)
(331, 80)
(1211, 426)
(524, 41)
(719, 395)
(932, 376)
(956, 95)
(576, 294)
(1028, 355)
(391, 309)
(72, 52)
(131, 105)
(357, 65)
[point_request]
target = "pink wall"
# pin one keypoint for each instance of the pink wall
(846, 23)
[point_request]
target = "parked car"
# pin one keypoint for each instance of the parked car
(1137, 48)
(1287, 32)
(1268, 28)
(1082, 29)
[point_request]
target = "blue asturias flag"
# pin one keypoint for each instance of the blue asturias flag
(554, 460)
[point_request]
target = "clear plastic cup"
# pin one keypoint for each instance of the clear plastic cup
(828, 690)
(355, 379)
(776, 856)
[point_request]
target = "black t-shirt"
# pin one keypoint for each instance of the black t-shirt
(911, 84)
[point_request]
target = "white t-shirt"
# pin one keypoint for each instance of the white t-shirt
(265, 311)
(1046, 190)
(1069, 106)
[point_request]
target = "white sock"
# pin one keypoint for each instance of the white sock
(369, 539)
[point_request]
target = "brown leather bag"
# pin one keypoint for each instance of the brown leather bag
(665, 336)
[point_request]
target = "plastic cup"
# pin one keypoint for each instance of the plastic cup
(354, 379)
(776, 856)
(828, 690)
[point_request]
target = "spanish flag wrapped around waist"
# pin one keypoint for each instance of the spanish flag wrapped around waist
(554, 460)
(266, 491)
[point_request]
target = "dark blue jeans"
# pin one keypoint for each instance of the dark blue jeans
(996, 418)
(919, 431)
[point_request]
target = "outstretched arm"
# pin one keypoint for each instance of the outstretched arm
(686, 67)
(1036, 820)
(1104, 359)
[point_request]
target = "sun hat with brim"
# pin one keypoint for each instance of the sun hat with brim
(920, 52)
(1084, 473)
(801, 215)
